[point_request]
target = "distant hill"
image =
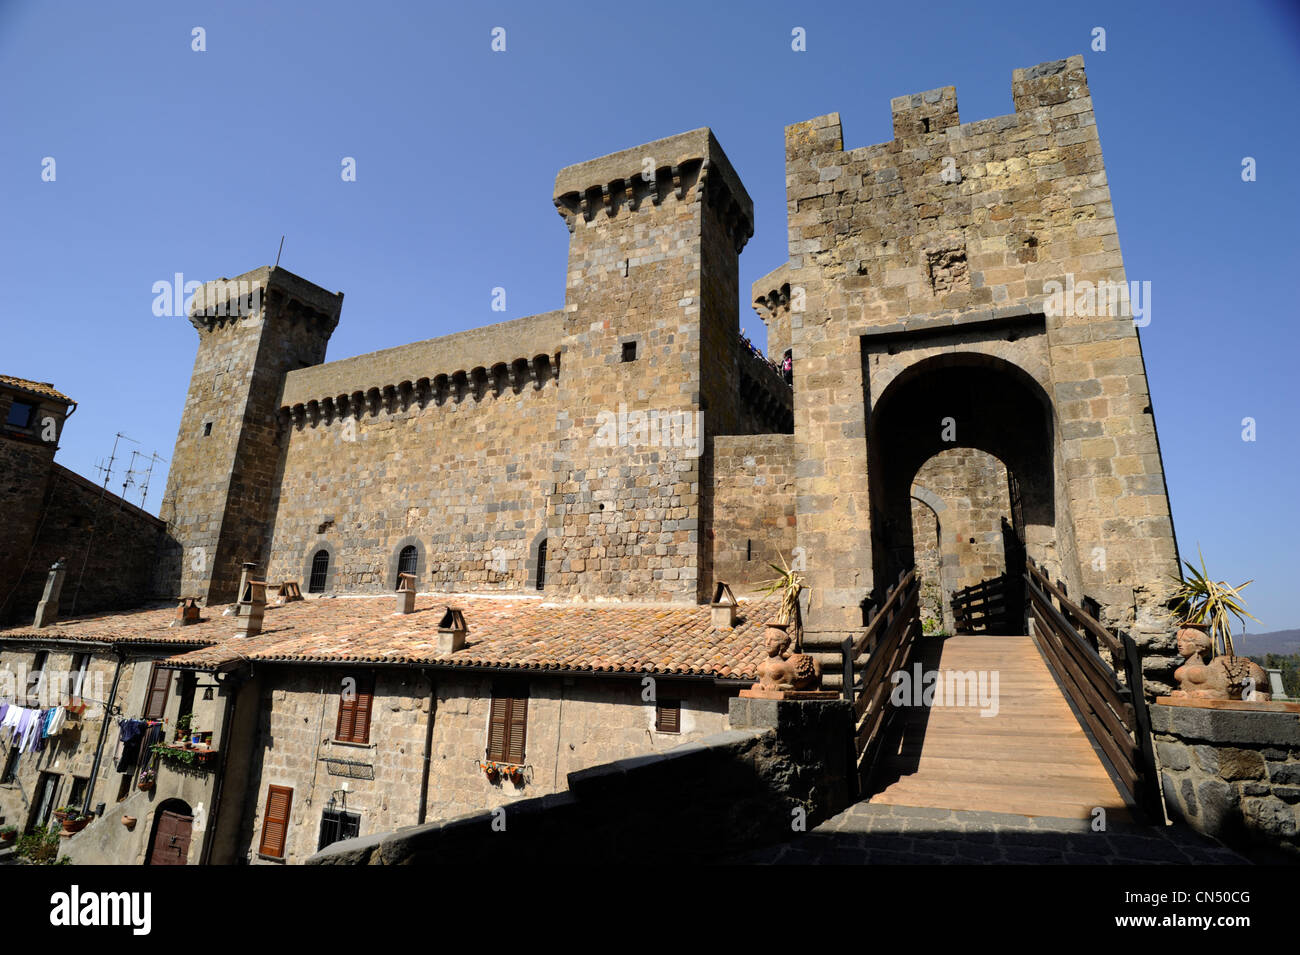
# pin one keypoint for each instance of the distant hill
(1284, 642)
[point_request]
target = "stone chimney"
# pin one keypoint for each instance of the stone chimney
(723, 608)
(406, 593)
(252, 603)
(47, 611)
(451, 631)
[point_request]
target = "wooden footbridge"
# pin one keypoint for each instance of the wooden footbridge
(1038, 725)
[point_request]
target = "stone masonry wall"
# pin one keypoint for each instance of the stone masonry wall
(1233, 775)
(947, 220)
(110, 548)
(754, 524)
(465, 480)
(778, 770)
(570, 726)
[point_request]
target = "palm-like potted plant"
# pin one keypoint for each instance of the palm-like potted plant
(789, 584)
(1212, 669)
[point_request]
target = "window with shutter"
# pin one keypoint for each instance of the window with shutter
(160, 682)
(668, 716)
(275, 821)
(353, 724)
(508, 723)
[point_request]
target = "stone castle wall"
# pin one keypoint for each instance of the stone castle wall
(463, 475)
(954, 224)
(754, 481)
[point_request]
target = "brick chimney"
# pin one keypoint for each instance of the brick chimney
(47, 611)
(451, 631)
(405, 593)
(187, 612)
(723, 608)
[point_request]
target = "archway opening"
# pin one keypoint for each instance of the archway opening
(961, 460)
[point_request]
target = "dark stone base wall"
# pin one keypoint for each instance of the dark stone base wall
(1233, 775)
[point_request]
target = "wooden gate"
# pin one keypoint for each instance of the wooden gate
(171, 839)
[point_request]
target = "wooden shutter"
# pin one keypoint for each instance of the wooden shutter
(518, 730)
(275, 821)
(353, 724)
(668, 716)
(508, 724)
(160, 682)
(498, 728)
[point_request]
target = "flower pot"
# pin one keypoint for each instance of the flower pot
(146, 785)
(129, 821)
(60, 815)
(6, 841)
(71, 825)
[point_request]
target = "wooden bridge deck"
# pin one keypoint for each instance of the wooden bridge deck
(1031, 758)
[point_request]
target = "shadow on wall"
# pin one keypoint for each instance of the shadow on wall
(782, 769)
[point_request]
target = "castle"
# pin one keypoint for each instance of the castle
(921, 403)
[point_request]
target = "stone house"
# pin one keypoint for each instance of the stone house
(342, 717)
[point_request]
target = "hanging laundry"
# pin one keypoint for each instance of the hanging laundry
(54, 725)
(129, 733)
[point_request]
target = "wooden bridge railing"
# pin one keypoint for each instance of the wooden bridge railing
(887, 645)
(1115, 711)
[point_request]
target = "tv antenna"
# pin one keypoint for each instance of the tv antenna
(144, 487)
(99, 507)
(277, 255)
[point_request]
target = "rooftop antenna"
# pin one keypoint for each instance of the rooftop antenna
(144, 488)
(99, 507)
(277, 255)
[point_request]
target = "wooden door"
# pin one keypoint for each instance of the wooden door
(171, 839)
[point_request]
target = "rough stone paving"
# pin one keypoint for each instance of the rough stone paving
(866, 834)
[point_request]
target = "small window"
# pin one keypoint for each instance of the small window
(508, 723)
(541, 566)
(629, 351)
(125, 786)
(668, 716)
(80, 670)
(275, 821)
(355, 703)
(78, 794)
(407, 563)
(337, 825)
(36, 678)
(207, 428)
(320, 565)
(155, 703)
(21, 414)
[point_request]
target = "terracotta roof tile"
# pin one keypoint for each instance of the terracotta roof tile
(514, 632)
(35, 387)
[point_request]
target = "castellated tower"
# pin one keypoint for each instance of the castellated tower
(649, 369)
(252, 330)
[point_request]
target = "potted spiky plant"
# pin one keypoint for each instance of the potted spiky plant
(1212, 669)
(789, 584)
(787, 668)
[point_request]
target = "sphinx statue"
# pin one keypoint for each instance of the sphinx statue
(783, 670)
(1207, 677)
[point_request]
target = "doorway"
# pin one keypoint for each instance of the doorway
(173, 828)
(47, 786)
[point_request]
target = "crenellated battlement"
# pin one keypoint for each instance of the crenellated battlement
(269, 291)
(686, 167)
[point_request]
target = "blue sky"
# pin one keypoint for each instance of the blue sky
(169, 160)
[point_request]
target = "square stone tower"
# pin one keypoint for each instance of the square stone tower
(253, 329)
(648, 369)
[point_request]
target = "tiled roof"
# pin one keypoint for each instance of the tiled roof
(36, 387)
(513, 632)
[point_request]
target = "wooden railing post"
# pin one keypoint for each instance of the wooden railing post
(846, 654)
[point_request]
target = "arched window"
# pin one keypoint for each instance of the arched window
(407, 563)
(320, 565)
(541, 565)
